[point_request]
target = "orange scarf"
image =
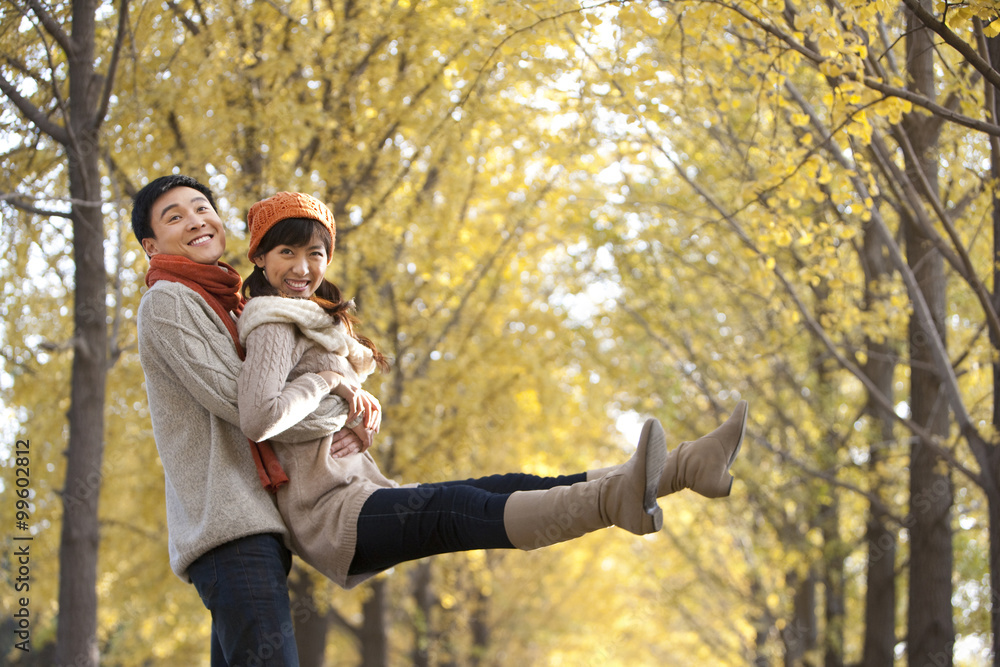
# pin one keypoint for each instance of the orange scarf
(219, 286)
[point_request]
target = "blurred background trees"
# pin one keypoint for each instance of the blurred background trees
(559, 218)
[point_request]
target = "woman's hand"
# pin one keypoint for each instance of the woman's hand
(359, 403)
(364, 411)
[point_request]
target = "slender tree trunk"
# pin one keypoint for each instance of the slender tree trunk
(880, 592)
(481, 628)
(76, 636)
(993, 505)
(828, 517)
(311, 627)
(764, 624)
(833, 586)
(374, 632)
(800, 635)
(931, 630)
(992, 98)
(423, 595)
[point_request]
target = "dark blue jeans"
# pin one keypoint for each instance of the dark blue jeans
(244, 583)
(398, 525)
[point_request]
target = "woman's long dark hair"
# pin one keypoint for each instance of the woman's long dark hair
(299, 232)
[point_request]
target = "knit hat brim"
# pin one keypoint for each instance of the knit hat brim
(266, 213)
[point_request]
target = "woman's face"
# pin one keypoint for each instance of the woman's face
(295, 271)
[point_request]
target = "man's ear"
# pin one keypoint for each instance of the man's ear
(149, 245)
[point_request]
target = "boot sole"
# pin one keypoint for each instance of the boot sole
(654, 440)
(739, 444)
(743, 431)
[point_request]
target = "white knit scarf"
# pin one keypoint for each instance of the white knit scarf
(314, 323)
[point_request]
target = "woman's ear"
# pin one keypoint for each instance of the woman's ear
(259, 261)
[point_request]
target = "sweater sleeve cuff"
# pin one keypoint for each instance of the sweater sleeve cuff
(322, 386)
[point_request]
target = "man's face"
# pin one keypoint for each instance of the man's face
(185, 224)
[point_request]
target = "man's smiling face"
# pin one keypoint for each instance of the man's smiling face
(185, 224)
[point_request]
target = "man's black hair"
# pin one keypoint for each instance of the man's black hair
(142, 203)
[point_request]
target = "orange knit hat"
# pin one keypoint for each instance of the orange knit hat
(267, 213)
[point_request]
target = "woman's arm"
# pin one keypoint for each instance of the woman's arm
(182, 335)
(268, 404)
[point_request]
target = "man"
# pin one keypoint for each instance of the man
(225, 533)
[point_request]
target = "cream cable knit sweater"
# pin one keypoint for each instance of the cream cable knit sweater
(288, 341)
(213, 494)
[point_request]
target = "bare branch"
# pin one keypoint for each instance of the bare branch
(52, 27)
(33, 113)
(942, 111)
(965, 269)
(109, 79)
(20, 202)
(9, 196)
(966, 50)
(188, 23)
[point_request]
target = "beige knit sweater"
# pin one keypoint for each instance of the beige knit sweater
(213, 494)
(288, 341)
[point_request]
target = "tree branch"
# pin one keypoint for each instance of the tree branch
(966, 269)
(966, 50)
(109, 79)
(892, 91)
(942, 111)
(191, 26)
(52, 27)
(20, 202)
(956, 255)
(922, 312)
(33, 113)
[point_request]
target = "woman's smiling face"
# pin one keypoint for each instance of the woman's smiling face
(295, 271)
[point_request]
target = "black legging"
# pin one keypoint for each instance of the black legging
(398, 525)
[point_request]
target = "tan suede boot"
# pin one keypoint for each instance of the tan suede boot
(702, 465)
(625, 497)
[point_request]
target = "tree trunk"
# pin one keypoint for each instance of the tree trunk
(76, 636)
(880, 592)
(423, 596)
(992, 474)
(833, 586)
(481, 629)
(800, 635)
(763, 624)
(931, 630)
(374, 632)
(311, 627)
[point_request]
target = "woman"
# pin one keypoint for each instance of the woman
(344, 517)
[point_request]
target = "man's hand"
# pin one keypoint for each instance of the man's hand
(348, 441)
